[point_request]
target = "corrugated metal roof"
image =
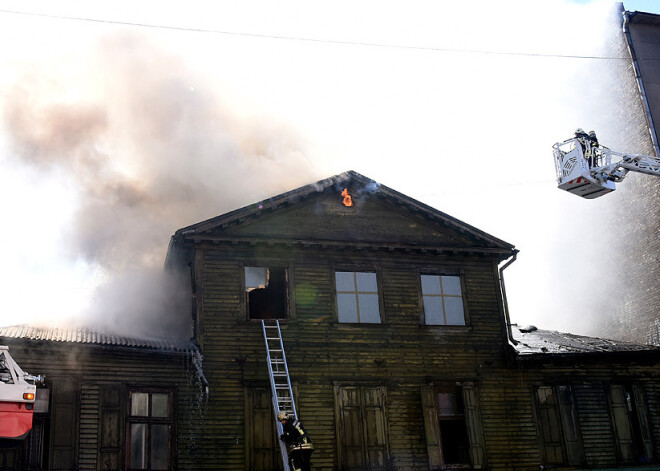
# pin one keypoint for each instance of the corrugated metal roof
(88, 336)
(537, 342)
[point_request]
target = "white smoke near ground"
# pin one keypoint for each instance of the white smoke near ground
(114, 137)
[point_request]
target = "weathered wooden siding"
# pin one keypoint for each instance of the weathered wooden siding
(85, 370)
(400, 354)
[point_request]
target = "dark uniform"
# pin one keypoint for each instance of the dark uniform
(593, 157)
(585, 143)
(299, 444)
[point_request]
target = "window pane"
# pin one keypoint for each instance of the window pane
(139, 446)
(347, 307)
(433, 314)
(255, 277)
(345, 280)
(451, 285)
(545, 395)
(160, 405)
(447, 404)
(140, 404)
(159, 447)
(454, 311)
(369, 308)
(367, 282)
(431, 284)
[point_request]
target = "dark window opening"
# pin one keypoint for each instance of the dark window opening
(266, 292)
(451, 424)
(631, 426)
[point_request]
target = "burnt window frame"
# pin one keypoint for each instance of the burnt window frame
(443, 272)
(570, 457)
(149, 420)
(344, 268)
(288, 282)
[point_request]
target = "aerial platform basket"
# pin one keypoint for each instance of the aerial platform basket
(574, 173)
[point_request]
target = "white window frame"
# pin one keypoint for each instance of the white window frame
(443, 297)
(357, 292)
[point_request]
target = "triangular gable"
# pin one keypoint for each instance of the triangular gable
(316, 213)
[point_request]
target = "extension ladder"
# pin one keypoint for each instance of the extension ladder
(280, 383)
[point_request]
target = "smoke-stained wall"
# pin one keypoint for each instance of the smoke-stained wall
(636, 316)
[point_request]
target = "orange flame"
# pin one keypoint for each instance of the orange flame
(348, 201)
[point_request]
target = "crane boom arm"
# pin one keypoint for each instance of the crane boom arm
(635, 162)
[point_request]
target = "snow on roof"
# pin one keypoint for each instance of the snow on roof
(88, 336)
(536, 342)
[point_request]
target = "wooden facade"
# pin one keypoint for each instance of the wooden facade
(398, 346)
(86, 420)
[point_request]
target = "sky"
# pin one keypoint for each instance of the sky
(122, 122)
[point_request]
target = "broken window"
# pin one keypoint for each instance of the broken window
(357, 297)
(266, 291)
(442, 298)
(149, 427)
(362, 426)
(559, 427)
(631, 425)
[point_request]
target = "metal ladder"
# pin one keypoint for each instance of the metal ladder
(280, 383)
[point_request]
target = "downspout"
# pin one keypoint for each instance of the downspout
(505, 304)
(640, 83)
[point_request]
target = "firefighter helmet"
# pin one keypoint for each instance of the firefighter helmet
(282, 416)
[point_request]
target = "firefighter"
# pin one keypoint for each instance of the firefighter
(585, 143)
(593, 158)
(298, 442)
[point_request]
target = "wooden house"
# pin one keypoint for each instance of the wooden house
(398, 344)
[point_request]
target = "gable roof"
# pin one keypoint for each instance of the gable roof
(223, 227)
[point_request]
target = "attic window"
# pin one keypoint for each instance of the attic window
(266, 292)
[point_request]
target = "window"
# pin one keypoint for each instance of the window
(149, 430)
(266, 291)
(362, 427)
(357, 297)
(454, 434)
(559, 428)
(442, 298)
(631, 425)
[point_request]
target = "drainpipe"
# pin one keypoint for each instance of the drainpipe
(505, 304)
(640, 82)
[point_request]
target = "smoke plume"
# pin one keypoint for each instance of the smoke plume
(149, 149)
